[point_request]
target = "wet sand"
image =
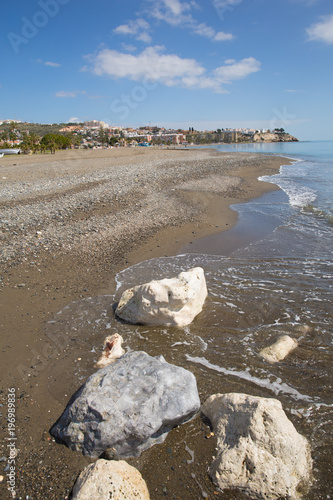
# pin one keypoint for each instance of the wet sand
(80, 217)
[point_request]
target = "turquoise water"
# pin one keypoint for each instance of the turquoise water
(277, 281)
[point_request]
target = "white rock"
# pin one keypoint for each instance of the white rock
(171, 302)
(112, 350)
(279, 350)
(106, 479)
(259, 450)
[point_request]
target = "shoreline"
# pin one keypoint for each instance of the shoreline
(65, 251)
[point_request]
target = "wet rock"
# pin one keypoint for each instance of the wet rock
(105, 479)
(279, 350)
(171, 302)
(259, 450)
(129, 405)
(112, 350)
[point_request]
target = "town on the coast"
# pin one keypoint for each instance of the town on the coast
(24, 137)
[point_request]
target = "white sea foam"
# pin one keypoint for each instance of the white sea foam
(277, 386)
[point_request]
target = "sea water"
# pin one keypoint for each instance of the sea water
(277, 279)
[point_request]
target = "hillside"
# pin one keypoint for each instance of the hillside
(274, 137)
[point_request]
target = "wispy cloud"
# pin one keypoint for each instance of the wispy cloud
(139, 28)
(74, 119)
(226, 4)
(322, 31)
(48, 63)
(69, 93)
(169, 69)
(207, 31)
(52, 64)
(223, 6)
(173, 12)
(233, 70)
(129, 47)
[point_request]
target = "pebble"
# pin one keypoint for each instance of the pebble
(35, 224)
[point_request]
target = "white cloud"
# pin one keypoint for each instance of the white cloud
(203, 30)
(176, 7)
(65, 93)
(47, 63)
(128, 47)
(171, 13)
(144, 37)
(169, 69)
(322, 31)
(224, 5)
(52, 64)
(221, 36)
(234, 70)
(138, 28)
(177, 13)
(150, 65)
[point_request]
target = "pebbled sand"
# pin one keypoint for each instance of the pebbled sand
(69, 222)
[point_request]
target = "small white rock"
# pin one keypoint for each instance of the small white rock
(112, 350)
(107, 479)
(279, 350)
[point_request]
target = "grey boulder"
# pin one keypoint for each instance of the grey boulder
(128, 406)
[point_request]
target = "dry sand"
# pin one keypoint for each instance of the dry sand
(70, 221)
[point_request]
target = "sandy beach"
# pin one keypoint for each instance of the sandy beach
(70, 222)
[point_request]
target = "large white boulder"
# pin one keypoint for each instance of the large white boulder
(259, 450)
(171, 302)
(279, 350)
(106, 479)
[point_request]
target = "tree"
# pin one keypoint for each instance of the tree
(26, 144)
(102, 136)
(113, 140)
(34, 141)
(49, 142)
(4, 137)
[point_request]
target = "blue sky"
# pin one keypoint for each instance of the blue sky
(207, 64)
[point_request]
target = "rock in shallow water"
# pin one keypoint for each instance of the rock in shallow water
(106, 479)
(129, 405)
(279, 350)
(112, 350)
(259, 450)
(171, 302)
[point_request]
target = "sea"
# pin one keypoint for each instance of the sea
(272, 274)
